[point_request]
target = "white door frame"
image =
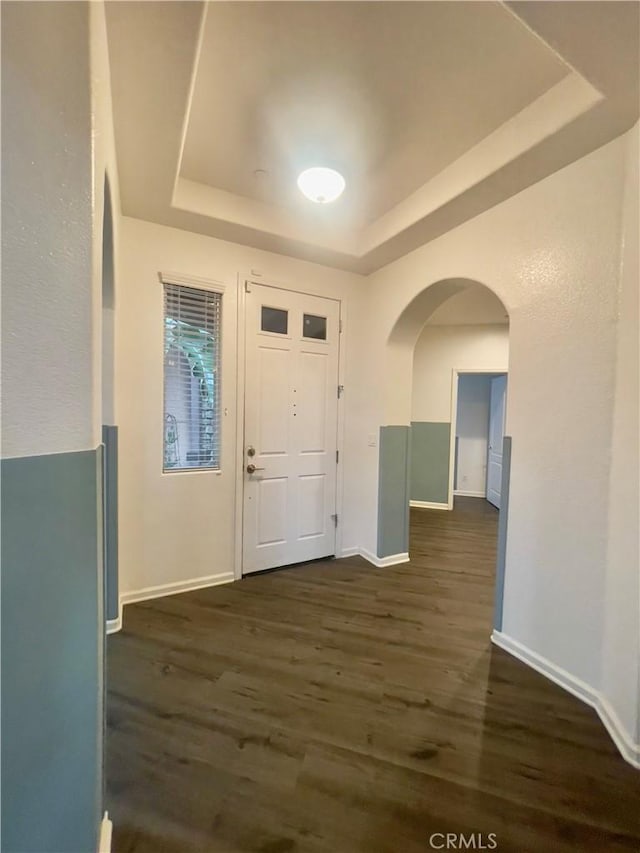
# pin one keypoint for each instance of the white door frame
(256, 278)
(455, 375)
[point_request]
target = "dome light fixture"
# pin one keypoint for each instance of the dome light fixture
(321, 184)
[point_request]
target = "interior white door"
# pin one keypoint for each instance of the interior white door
(291, 414)
(497, 411)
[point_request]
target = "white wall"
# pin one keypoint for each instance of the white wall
(440, 350)
(52, 306)
(473, 306)
(176, 527)
(47, 299)
(472, 433)
(551, 253)
(621, 653)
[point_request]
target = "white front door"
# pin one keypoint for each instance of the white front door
(291, 414)
(497, 411)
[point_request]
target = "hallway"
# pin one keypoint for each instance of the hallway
(337, 707)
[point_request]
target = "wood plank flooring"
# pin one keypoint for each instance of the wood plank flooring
(339, 708)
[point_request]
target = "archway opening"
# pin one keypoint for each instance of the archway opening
(449, 354)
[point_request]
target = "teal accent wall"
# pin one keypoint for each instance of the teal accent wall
(502, 532)
(430, 461)
(52, 652)
(110, 499)
(393, 490)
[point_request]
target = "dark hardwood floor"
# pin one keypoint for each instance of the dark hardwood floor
(336, 707)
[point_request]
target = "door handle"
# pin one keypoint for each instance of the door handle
(251, 468)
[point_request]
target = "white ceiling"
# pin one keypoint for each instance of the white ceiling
(374, 90)
(433, 111)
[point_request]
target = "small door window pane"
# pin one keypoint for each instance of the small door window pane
(275, 320)
(315, 327)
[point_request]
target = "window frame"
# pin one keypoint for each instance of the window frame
(309, 338)
(210, 286)
(285, 335)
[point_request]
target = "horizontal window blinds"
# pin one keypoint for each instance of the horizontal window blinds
(192, 326)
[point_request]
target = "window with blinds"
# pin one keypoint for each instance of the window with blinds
(192, 327)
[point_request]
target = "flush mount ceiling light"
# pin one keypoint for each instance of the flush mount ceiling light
(320, 184)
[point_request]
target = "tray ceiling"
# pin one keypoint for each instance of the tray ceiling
(433, 111)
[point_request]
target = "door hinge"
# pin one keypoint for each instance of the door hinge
(247, 286)
(335, 519)
(340, 326)
(340, 391)
(337, 456)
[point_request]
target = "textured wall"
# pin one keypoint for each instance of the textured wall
(52, 647)
(429, 466)
(622, 627)
(393, 494)
(503, 526)
(110, 525)
(47, 300)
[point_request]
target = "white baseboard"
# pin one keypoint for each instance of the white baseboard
(383, 562)
(554, 673)
(469, 494)
(348, 552)
(115, 625)
(174, 588)
(106, 831)
(428, 505)
(628, 748)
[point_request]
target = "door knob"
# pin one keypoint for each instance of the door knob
(251, 468)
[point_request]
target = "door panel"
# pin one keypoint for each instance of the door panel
(273, 419)
(497, 412)
(311, 503)
(291, 413)
(272, 511)
(311, 394)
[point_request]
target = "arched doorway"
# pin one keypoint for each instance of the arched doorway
(447, 359)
